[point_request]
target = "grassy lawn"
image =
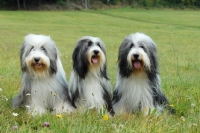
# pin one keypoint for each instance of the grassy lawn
(176, 33)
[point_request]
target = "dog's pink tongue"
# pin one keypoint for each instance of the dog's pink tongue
(137, 64)
(95, 60)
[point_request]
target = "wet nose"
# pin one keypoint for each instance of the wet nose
(37, 59)
(96, 52)
(135, 56)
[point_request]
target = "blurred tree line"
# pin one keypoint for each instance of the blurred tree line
(26, 4)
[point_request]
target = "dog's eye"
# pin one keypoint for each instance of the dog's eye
(42, 48)
(89, 43)
(98, 44)
(31, 48)
(142, 47)
(132, 45)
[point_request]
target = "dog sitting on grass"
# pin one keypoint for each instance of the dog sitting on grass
(89, 84)
(44, 86)
(138, 84)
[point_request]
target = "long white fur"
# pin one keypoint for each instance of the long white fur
(90, 89)
(136, 89)
(91, 96)
(142, 54)
(45, 90)
(48, 89)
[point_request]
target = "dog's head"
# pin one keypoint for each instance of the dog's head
(89, 55)
(38, 55)
(137, 53)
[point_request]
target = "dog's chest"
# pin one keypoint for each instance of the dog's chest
(136, 92)
(44, 91)
(92, 93)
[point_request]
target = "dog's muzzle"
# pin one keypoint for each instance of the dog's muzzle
(95, 57)
(37, 61)
(136, 62)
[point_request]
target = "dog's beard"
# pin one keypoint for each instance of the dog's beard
(137, 65)
(96, 61)
(38, 69)
(138, 61)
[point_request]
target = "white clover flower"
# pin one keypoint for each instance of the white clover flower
(192, 105)
(121, 126)
(6, 98)
(1, 89)
(182, 118)
(194, 124)
(114, 126)
(27, 106)
(15, 114)
(28, 94)
(192, 111)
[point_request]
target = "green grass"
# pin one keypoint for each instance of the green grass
(176, 33)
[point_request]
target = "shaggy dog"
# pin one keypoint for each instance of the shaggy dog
(44, 85)
(138, 83)
(89, 83)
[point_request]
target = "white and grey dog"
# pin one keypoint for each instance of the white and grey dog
(138, 83)
(89, 84)
(44, 86)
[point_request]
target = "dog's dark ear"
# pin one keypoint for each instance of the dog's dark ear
(22, 55)
(102, 46)
(53, 66)
(124, 49)
(104, 72)
(154, 61)
(79, 57)
(52, 52)
(53, 60)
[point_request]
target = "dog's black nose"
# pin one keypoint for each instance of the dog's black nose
(37, 59)
(96, 52)
(135, 56)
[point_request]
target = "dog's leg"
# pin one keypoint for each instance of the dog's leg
(147, 110)
(36, 110)
(62, 107)
(108, 102)
(21, 99)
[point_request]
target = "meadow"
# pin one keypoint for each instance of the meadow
(176, 33)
